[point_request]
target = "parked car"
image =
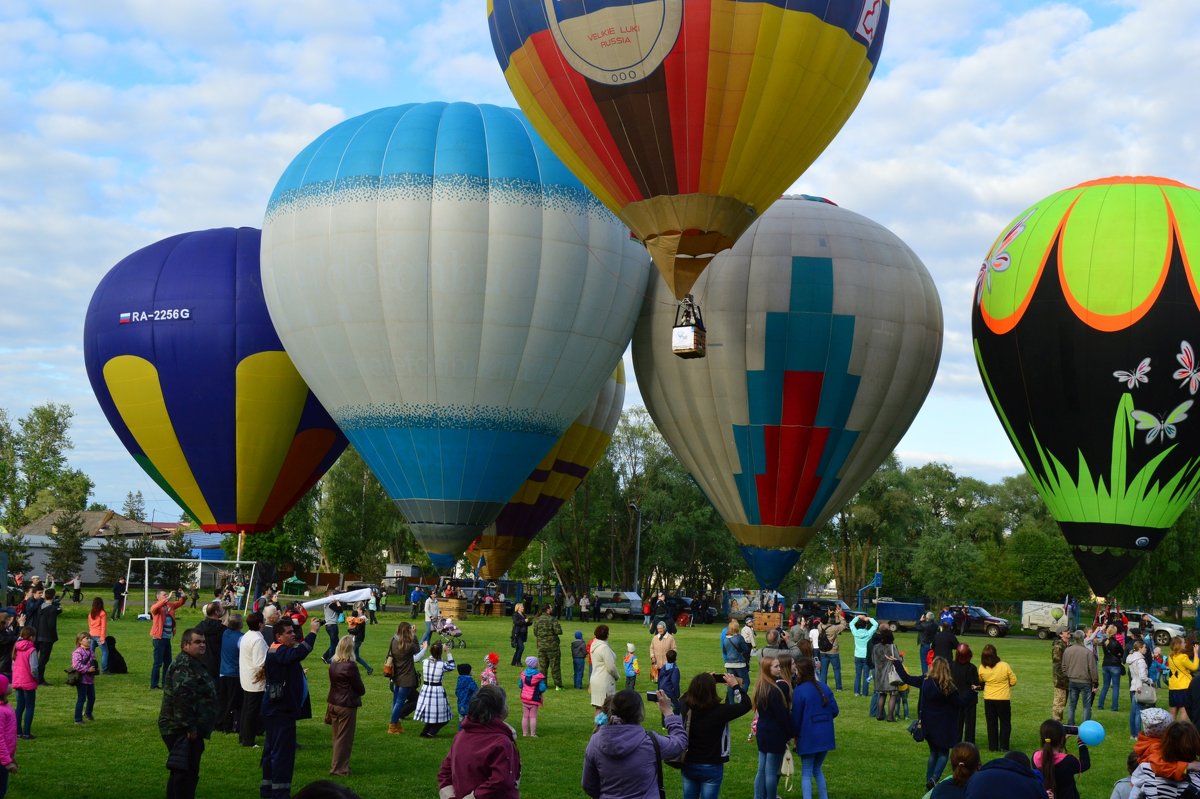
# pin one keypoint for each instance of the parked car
(619, 604)
(821, 606)
(901, 615)
(1047, 618)
(979, 620)
(1164, 631)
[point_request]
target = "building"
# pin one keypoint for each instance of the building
(98, 525)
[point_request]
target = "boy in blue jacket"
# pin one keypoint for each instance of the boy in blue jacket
(464, 690)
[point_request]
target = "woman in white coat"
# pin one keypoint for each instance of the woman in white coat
(604, 668)
(1136, 663)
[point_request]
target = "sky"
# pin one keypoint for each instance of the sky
(127, 121)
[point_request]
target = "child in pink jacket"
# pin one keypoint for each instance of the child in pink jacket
(25, 680)
(8, 737)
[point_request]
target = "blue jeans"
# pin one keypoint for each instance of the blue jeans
(102, 648)
(936, 764)
(332, 629)
(358, 657)
(1076, 690)
(26, 702)
(577, 663)
(399, 697)
(84, 693)
(766, 779)
(162, 659)
(742, 674)
(1135, 717)
(1112, 677)
(810, 769)
(924, 658)
(834, 658)
(862, 669)
(702, 780)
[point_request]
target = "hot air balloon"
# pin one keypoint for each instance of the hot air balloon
(687, 118)
(831, 334)
(552, 483)
(188, 369)
(1084, 325)
(454, 296)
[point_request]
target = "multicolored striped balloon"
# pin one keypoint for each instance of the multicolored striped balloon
(829, 331)
(454, 296)
(186, 365)
(688, 118)
(1086, 320)
(552, 483)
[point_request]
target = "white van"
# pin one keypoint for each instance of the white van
(1046, 618)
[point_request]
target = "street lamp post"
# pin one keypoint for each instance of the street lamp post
(637, 552)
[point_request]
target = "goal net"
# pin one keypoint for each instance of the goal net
(184, 574)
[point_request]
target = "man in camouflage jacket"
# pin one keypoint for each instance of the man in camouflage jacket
(189, 711)
(1060, 677)
(547, 633)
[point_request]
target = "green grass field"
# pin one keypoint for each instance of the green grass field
(121, 753)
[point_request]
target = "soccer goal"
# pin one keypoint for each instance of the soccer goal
(212, 572)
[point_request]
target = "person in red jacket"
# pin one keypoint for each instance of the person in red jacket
(483, 761)
(162, 629)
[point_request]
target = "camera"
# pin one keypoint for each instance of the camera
(652, 696)
(321, 622)
(1070, 729)
(718, 676)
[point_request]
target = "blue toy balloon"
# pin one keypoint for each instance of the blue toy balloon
(1091, 732)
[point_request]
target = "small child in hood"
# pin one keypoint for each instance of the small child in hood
(579, 653)
(464, 690)
(668, 681)
(1148, 748)
(632, 669)
(533, 685)
(1158, 668)
(489, 671)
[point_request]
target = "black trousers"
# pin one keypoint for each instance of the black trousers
(229, 704)
(182, 784)
(998, 714)
(43, 652)
(966, 721)
(251, 724)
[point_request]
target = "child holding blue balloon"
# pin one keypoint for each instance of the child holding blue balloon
(1059, 768)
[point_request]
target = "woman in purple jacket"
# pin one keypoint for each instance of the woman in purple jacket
(620, 761)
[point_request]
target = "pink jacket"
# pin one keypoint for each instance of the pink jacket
(8, 734)
(23, 678)
(84, 662)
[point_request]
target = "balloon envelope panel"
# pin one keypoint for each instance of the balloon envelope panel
(553, 482)
(688, 118)
(828, 336)
(454, 296)
(188, 369)
(1081, 321)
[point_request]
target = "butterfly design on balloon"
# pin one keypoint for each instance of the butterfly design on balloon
(1163, 427)
(998, 258)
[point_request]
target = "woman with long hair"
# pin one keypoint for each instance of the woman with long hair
(1059, 768)
(787, 670)
(432, 706)
(966, 677)
(98, 630)
(938, 709)
(1138, 676)
(998, 680)
(813, 712)
(736, 653)
(84, 662)
(346, 690)
(405, 654)
(964, 762)
(1112, 666)
(520, 634)
(706, 720)
(1181, 667)
(772, 700)
(883, 653)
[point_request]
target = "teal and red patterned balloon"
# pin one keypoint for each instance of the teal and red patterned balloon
(1086, 323)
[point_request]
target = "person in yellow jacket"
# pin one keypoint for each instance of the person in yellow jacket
(998, 679)
(1181, 666)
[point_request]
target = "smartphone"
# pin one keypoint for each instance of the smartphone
(719, 677)
(652, 696)
(1070, 729)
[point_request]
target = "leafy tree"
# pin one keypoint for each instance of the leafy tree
(16, 547)
(112, 562)
(33, 460)
(66, 551)
(946, 565)
(134, 507)
(357, 520)
(97, 507)
(174, 575)
(1166, 577)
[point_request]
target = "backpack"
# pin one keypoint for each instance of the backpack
(823, 642)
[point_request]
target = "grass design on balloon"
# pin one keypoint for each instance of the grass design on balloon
(1140, 502)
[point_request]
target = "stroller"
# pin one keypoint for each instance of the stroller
(450, 633)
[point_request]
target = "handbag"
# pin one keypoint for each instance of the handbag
(682, 759)
(276, 690)
(915, 729)
(786, 769)
(1146, 694)
(389, 667)
(74, 677)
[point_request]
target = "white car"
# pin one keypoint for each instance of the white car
(1164, 631)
